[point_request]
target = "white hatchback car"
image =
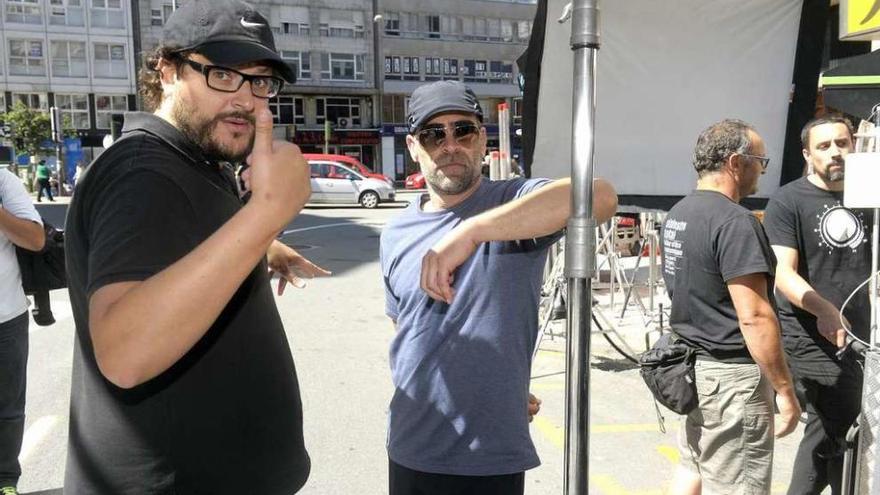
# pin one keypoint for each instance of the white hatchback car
(333, 182)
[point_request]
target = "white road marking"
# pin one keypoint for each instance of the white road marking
(35, 435)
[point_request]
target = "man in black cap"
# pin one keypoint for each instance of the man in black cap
(462, 269)
(183, 380)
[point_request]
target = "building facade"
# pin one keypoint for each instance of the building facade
(473, 41)
(329, 44)
(77, 55)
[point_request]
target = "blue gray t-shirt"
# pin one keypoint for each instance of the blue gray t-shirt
(461, 371)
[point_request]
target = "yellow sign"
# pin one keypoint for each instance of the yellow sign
(861, 20)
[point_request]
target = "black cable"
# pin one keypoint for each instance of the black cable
(616, 348)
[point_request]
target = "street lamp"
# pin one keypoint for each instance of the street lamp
(379, 77)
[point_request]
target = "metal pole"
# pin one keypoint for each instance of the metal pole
(579, 246)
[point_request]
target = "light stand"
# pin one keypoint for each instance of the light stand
(862, 176)
(579, 250)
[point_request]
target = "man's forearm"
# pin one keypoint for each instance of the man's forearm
(762, 337)
(22, 232)
(800, 293)
(539, 213)
(152, 325)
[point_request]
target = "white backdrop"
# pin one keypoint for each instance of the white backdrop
(666, 70)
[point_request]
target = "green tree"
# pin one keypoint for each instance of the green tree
(29, 128)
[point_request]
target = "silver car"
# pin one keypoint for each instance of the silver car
(333, 182)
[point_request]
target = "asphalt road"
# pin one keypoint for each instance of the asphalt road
(339, 336)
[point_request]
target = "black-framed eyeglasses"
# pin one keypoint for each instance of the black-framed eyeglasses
(763, 159)
(464, 132)
(230, 80)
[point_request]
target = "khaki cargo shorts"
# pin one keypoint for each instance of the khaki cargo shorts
(728, 439)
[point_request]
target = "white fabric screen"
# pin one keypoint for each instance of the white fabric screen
(666, 70)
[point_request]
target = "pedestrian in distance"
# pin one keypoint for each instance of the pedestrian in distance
(20, 225)
(183, 379)
(718, 268)
(44, 181)
(823, 255)
(462, 268)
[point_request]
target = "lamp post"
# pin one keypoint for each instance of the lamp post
(379, 79)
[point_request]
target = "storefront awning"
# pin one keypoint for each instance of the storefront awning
(854, 86)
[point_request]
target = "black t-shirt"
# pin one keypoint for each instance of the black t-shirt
(834, 253)
(709, 240)
(227, 417)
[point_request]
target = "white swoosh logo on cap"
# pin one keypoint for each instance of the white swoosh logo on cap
(250, 24)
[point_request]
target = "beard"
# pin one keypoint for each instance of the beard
(835, 175)
(452, 185)
(200, 131)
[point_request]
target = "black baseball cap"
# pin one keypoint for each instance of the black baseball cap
(228, 32)
(442, 96)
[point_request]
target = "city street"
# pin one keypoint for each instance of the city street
(339, 336)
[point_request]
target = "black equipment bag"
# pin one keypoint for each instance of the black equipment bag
(668, 371)
(43, 270)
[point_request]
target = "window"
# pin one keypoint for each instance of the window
(26, 58)
(474, 71)
(68, 59)
(450, 26)
(66, 13)
(392, 67)
(300, 62)
(506, 30)
(393, 108)
(493, 27)
(450, 68)
(36, 101)
(24, 11)
(295, 29)
(107, 105)
(107, 14)
(432, 23)
(517, 111)
(342, 67)
(342, 23)
(500, 72)
(75, 108)
(110, 61)
(411, 68)
(392, 24)
(158, 17)
(287, 110)
(333, 109)
(479, 29)
(433, 69)
(524, 30)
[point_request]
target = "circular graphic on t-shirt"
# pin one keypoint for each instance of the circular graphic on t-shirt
(840, 227)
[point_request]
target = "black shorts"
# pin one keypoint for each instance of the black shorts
(405, 481)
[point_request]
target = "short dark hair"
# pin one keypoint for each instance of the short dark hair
(718, 142)
(831, 118)
(149, 78)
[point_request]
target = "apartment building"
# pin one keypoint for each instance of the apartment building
(473, 41)
(330, 45)
(76, 55)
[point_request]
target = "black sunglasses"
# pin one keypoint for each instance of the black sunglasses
(464, 132)
(230, 80)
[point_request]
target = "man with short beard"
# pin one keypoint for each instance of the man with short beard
(183, 380)
(462, 268)
(823, 255)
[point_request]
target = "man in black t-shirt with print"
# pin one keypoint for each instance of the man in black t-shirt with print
(718, 268)
(183, 380)
(824, 254)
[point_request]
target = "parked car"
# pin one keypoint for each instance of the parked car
(335, 183)
(350, 162)
(415, 181)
